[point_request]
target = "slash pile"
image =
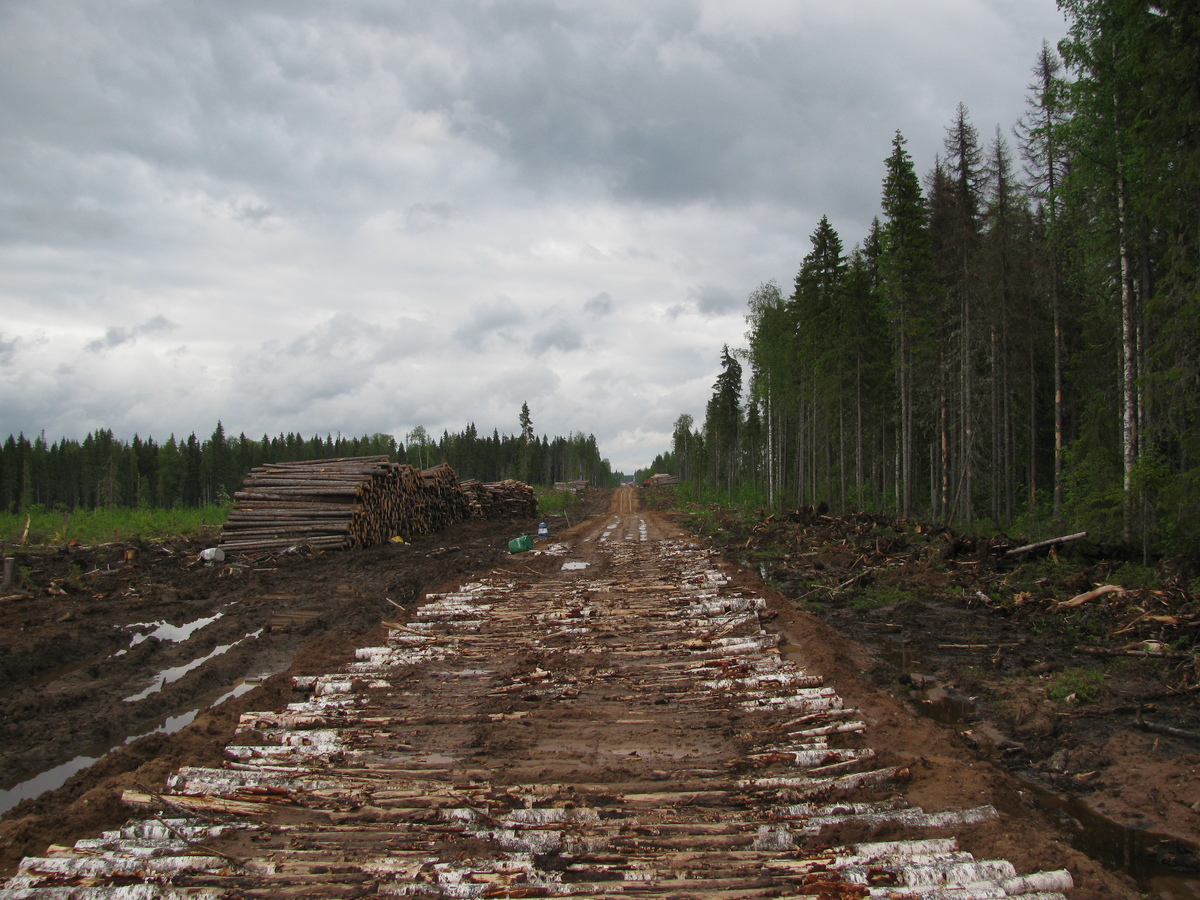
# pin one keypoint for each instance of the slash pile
(335, 504)
(630, 732)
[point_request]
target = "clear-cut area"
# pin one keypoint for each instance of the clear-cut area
(648, 724)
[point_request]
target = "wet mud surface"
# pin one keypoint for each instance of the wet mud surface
(634, 715)
(967, 694)
(104, 650)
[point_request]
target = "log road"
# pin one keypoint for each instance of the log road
(621, 723)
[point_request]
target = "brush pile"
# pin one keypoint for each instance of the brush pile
(338, 504)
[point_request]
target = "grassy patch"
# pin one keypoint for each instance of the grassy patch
(1132, 576)
(879, 596)
(117, 523)
(556, 503)
(1083, 685)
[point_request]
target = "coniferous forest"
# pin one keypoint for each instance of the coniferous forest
(1016, 341)
(104, 471)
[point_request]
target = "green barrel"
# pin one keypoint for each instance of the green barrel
(521, 544)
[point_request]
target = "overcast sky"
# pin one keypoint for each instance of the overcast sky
(367, 215)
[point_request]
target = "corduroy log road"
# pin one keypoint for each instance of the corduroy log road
(631, 720)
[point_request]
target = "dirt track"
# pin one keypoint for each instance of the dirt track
(625, 713)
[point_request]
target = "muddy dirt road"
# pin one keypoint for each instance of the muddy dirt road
(622, 712)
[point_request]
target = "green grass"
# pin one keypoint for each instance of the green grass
(879, 596)
(117, 523)
(1087, 685)
(556, 503)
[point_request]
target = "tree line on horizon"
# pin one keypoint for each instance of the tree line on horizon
(105, 471)
(1016, 341)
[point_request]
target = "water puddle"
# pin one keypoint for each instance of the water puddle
(1136, 852)
(165, 631)
(169, 676)
(574, 566)
(51, 779)
(899, 654)
(943, 706)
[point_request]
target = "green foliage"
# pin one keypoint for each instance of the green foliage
(1132, 576)
(1084, 685)
(880, 596)
(104, 471)
(114, 523)
(1025, 349)
(556, 503)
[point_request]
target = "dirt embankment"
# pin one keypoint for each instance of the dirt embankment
(1070, 666)
(99, 645)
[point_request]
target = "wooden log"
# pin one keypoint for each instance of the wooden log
(1050, 543)
(369, 498)
(1083, 598)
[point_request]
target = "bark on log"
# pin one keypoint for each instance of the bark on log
(358, 502)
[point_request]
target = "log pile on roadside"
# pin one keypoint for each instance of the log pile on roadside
(337, 504)
(500, 499)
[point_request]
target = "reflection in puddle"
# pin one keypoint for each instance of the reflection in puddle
(51, 779)
(165, 631)
(938, 704)
(1136, 852)
(899, 654)
(168, 676)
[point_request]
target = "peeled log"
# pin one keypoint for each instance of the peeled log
(1083, 598)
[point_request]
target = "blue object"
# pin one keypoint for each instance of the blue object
(543, 531)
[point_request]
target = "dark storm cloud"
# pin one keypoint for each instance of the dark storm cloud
(258, 215)
(711, 300)
(116, 335)
(304, 100)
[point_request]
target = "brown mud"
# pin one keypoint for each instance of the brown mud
(871, 603)
(82, 639)
(1093, 706)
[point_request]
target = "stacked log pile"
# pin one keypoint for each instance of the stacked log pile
(336, 504)
(444, 498)
(500, 499)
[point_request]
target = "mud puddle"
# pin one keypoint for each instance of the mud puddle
(53, 778)
(1140, 854)
(1152, 860)
(174, 673)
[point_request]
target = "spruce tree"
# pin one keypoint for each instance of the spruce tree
(904, 275)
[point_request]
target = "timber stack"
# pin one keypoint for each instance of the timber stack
(500, 499)
(341, 504)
